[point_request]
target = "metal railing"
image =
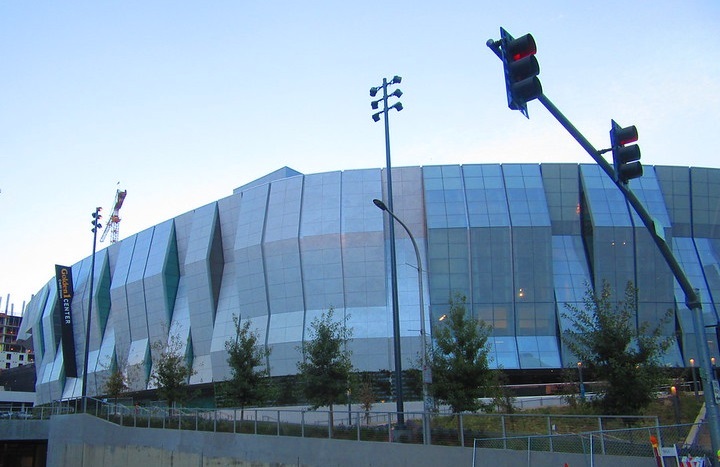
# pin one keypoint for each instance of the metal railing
(620, 442)
(607, 434)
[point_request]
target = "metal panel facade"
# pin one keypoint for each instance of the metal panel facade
(519, 241)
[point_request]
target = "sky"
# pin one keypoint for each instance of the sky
(180, 102)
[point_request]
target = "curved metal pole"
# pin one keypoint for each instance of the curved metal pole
(426, 375)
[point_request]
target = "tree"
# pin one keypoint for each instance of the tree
(248, 384)
(366, 397)
(326, 366)
(116, 383)
(626, 359)
(172, 371)
(459, 359)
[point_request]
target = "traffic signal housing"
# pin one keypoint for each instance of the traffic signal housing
(521, 69)
(626, 157)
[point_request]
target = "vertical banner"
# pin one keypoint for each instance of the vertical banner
(63, 276)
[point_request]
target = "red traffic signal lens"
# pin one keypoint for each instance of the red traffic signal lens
(625, 135)
(521, 47)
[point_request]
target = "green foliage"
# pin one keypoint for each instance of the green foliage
(626, 359)
(249, 381)
(326, 366)
(366, 397)
(116, 384)
(459, 359)
(171, 371)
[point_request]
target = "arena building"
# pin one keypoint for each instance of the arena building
(518, 240)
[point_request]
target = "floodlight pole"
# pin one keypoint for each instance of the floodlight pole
(393, 260)
(692, 296)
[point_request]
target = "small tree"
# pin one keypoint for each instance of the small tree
(116, 383)
(626, 359)
(366, 397)
(459, 359)
(172, 371)
(326, 366)
(248, 384)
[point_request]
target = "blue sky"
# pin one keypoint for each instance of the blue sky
(183, 101)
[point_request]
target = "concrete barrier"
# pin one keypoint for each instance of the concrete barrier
(86, 441)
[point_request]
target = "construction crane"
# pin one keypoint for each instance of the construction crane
(113, 224)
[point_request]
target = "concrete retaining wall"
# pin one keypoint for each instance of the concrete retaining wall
(86, 441)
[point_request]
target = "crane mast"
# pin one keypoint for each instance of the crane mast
(113, 225)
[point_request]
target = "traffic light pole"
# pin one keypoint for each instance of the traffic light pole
(692, 299)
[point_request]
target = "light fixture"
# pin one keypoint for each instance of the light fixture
(376, 117)
(397, 93)
(374, 105)
(373, 91)
(398, 106)
(396, 80)
(380, 204)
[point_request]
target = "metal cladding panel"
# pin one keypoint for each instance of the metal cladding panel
(520, 240)
(200, 277)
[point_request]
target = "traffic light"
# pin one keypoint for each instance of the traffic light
(626, 159)
(521, 69)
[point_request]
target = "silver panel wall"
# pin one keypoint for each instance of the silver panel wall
(519, 241)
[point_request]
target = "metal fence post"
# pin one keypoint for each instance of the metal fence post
(550, 432)
(504, 431)
(462, 431)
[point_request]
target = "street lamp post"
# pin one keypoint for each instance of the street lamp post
(426, 375)
(96, 226)
(393, 264)
(692, 369)
(582, 384)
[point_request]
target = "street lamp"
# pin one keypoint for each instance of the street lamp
(393, 264)
(676, 403)
(96, 226)
(426, 375)
(692, 369)
(582, 384)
